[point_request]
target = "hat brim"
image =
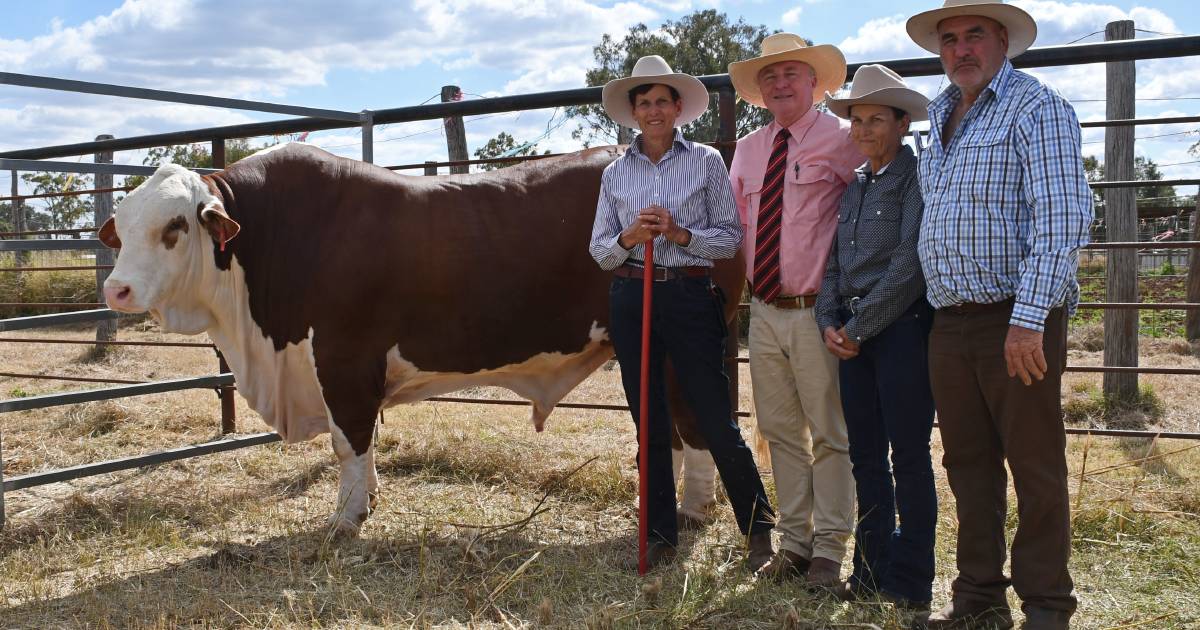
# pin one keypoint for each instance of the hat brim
(692, 93)
(826, 60)
(911, 101)
(1022, 30)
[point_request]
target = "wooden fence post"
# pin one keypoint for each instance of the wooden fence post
(456, 133)
(102, 205)
(1192, 320)
(228, 404)
(727, 133)
(430, 167)
(1120, 215)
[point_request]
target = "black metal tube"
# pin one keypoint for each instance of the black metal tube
(1044, 56)
(57, 319)
(114, 465)
(109, 393)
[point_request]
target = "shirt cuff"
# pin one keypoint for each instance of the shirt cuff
(1029, 316)
(620, 254)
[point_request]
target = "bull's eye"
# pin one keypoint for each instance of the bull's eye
(170, 233)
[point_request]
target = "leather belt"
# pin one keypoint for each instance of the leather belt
(793, 302)
(662, 273)
(975, 308)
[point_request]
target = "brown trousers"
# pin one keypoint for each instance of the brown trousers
(987, 417)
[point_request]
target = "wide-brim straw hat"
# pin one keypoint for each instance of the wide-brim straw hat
(826, 60)
(878, 85)
(1022, 30)
(653, 69)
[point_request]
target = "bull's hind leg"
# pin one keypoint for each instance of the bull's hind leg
(693, 463)
(353, 390)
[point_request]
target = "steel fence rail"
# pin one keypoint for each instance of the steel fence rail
(88, 87)
(1127, 50)
(49, 304)
(115, 465)
(110, 393)
(69, 193)
(57, 319)
(87, 342)
(74, 379)
(9, 245)
(9, 164)
(80, 268)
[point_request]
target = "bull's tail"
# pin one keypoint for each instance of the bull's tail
(762, 449)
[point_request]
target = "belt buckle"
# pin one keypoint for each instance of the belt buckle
(661, 274)
(853, 305)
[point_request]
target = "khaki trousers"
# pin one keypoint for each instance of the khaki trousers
(799, 413)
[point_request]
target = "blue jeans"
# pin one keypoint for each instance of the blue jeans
(688, 327)
(887, 402)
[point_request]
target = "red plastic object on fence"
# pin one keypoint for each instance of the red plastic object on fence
(644, 410)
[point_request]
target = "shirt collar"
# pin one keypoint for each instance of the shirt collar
(635, 147)
(797, 128)
(904, 162)
(998, 86)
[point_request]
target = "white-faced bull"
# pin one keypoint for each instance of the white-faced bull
(336, 288)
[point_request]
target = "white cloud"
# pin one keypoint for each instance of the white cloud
(792, 16)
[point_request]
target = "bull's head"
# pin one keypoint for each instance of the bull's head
(165, 230)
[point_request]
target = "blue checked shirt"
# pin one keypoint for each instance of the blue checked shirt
(1007, 205)
(691, 182)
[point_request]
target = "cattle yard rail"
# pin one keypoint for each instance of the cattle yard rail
(315, 119)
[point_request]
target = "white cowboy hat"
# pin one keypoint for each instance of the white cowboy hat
(1022, 30)
(654, 70)
(826, 60)
(878, 85)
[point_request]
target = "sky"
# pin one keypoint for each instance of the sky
(359, 54)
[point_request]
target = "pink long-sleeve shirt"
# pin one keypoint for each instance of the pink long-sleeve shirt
(821, 162)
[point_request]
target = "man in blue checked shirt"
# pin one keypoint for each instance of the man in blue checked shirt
(1007, 208)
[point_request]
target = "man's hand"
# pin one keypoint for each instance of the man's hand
(1023, 354)
(640, 231)
(839, 345)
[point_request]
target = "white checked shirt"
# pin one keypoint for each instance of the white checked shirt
(691, 182)
(1007, 205)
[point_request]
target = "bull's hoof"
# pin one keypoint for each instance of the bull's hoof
(342, 527)
(372, 499)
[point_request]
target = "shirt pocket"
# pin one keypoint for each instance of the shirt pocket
(883, 204)
(811, 174)
(752, 191)
(988, 168)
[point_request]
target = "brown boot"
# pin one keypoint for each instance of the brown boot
(786, 565)
(824, 573)
(760, 551)
(657, 554)
(1045, 619)
(959, 616)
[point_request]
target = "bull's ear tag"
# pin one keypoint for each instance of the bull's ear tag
(108, 234)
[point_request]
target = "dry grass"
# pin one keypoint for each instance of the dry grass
(237, 539)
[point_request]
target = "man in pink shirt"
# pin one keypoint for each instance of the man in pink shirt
(788, 178)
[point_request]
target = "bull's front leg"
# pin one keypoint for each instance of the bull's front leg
(353, 391)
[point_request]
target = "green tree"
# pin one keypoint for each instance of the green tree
(506, 146)
(63, 212)
(194, 156)
(704, 42)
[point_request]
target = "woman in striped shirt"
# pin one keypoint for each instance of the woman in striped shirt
(678, 193)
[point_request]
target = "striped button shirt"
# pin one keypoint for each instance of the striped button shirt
(874, 256)
(1007, 205)
(691, 182)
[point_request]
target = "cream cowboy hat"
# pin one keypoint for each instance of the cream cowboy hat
(1022, 30)
(826, 60)
(878, 85)
(654, 69)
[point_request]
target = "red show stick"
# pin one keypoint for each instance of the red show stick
(644, 411)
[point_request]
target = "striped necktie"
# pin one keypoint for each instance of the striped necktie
(770, 222)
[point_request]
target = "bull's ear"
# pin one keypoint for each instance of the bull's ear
(108, 234)
(219, 225)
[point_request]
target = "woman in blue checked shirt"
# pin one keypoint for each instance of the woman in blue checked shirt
(874, 317)
(678, 193)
